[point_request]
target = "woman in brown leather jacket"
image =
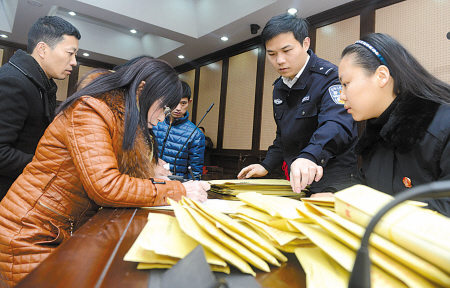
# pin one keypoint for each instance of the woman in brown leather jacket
(96, 153)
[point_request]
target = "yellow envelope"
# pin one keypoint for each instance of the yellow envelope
(244, 241)
(138, 254)
(386, 263)
(345, 256)
(142, 266)
(215, 268)
(275, 206)
(320, 201)
(163, 236)
(242, 230)
(264, 186)
(191, 228)
(421, 231)
(231, 243)
(255, 248)
(320, 269)
(280, 236)
(402, 255)
(221, 205)
(279, 223)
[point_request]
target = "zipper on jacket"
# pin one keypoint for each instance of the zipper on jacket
(165, 139)
(64, 216)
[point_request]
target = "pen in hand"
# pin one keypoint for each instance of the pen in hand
(191, 173)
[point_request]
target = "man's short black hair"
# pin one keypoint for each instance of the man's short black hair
(186, 90)
(285, 23)
(50, 30)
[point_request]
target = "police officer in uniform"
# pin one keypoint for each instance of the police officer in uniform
(315, 133)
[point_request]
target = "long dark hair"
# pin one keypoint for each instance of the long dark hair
(161, 83)
(410, 78)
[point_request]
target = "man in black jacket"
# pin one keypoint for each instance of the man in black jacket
(314, 131)
(28, 92)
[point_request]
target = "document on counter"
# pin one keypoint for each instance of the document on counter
(242, 230)
(228, 241)
(193, 229)
(276, 235)
(421, 231)
(278, 187)
(329, 202)
(320, 269)
(245, 241)
(275, 222)
(275, 206)
(223, 206)
(401, 255)
(345, 256)
(162, 242)
(388, 264)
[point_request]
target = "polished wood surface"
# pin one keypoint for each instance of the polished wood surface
(93, 257)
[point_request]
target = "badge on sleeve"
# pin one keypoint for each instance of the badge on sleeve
(335, 93)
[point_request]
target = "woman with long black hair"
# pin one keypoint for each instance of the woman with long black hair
(96, 153)
(406, 141)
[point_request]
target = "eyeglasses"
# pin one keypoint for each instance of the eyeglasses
(167, 110)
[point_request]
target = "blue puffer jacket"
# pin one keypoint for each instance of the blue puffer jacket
(171, 137)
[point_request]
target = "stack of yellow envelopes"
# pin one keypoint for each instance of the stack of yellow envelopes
(408, 249)
(278, 187)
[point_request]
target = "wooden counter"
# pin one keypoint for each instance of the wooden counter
(93, 257)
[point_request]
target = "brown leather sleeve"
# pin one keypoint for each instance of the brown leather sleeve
(90, 134)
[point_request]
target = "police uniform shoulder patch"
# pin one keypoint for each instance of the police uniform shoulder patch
(335, 94)
(324, 70)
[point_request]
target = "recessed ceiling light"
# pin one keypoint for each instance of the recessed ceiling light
(3, 36)
(224, 38)
(292, 11)
(35, 3)
(71, 13)
(181, 56)
(85, 54)
(133, 31)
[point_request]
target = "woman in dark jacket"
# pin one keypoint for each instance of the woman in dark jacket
(406, 139)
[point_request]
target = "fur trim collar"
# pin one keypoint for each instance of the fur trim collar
(137, 162)
(402, 125)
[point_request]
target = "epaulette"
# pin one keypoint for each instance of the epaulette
(275, 82)
(324, 70)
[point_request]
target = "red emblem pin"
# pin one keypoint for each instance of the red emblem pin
(407, 182)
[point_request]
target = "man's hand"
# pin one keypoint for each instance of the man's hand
(304, 172)
(254, 170)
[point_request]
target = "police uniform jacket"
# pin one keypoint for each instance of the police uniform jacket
(408, 145)
(313, 124)
(172, 136)
(24, 115)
